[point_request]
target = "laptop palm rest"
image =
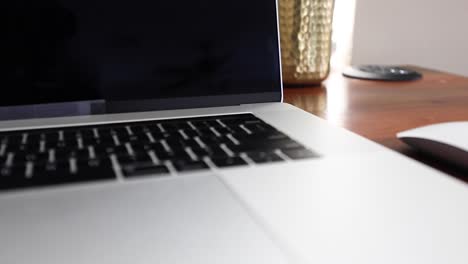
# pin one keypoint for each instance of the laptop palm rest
(374, 208)
(190, 219)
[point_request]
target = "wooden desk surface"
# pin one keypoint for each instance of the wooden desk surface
(378, 110)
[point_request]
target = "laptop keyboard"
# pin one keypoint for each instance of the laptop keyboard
(42, 157)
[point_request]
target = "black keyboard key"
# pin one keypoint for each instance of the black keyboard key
(274, 135)
(12, 171)
(266, 135)
(121, 131)
(299, 153)
(64, 144)
(169, 127)
(190, 133)
(264, 145)
(199, 152)
(239, 131)
(287, 144)
(32, 138)
(37, 157)
(89, 141)
(107, 140)
(94, 163)
(157, 136)
(55, 169)
(213, 123)
(192, 143)
(105, 131)
(199, 125)
(264, 157)
(146, 146)
(86, 133)
(63, 154)
(14, 148)
(175, 143)
(165, 155)
(13, 177)
(139, 129)
(137, 157)
(94, 169)
(144, 169)
(258, 128)
(69, 134)
(209, 140)
(50, 136)
(14, 139)
(182, 154)
(123, 138)
(228, 162)
(186, 165)
(217, 152)
(207, 132)
(238, 120)
(80, 153)
(221, 130)
(159, 150)
(135, 138)
(107, 149)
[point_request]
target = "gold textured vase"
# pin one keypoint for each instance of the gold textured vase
(305, 32)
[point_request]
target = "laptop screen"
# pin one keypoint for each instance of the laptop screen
(117, 50)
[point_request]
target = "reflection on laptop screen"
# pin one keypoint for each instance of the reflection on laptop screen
(68, 50)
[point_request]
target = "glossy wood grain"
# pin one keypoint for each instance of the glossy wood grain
(378, 110)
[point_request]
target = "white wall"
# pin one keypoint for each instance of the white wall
(430, 33)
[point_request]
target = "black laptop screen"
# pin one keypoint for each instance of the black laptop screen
(114, 50)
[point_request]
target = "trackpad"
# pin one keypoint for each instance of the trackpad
(189, 219)
(361, 209)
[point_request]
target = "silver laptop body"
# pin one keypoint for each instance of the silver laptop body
(353, 202)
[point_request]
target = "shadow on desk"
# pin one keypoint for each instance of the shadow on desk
(436, 163)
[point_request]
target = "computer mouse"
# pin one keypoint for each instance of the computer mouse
(381, 73)
(447, 141)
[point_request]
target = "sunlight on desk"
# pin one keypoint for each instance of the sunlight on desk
(337, 100)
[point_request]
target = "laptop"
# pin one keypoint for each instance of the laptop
(154, 132)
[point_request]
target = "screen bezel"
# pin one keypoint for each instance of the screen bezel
(95, 107)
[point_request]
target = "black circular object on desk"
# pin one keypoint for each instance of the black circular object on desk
(382, 73)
